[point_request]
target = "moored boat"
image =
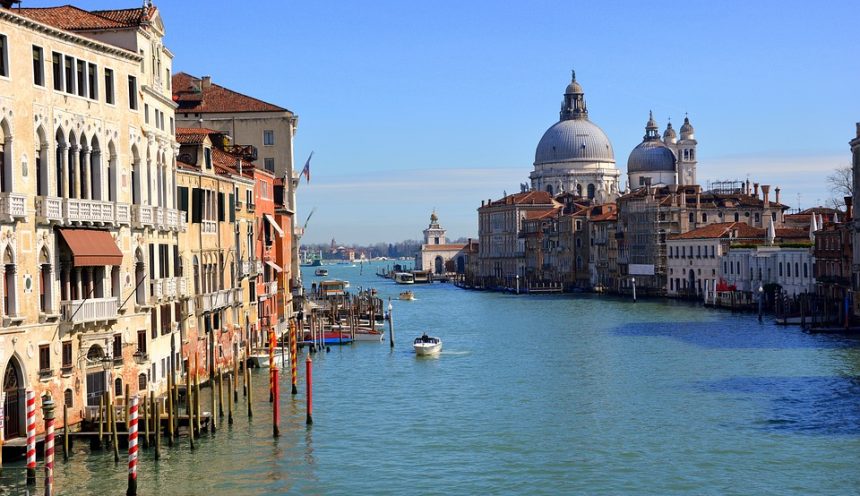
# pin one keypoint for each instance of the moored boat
(427, 345)
(321, 272)
(404, 278)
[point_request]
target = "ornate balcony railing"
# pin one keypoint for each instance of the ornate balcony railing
(123, 214)
(49, 209)
(12, 206)
(215, 300)
(209, 226)
(89, 310)
(141, 216)
(76, 210)
(272, 288)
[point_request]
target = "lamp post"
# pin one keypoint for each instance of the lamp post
(633, 280)
(760, 299)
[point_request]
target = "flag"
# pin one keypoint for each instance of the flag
(307, 170)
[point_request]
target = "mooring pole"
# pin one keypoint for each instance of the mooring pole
(48, 413)
(390, 324)
(132, 447)
(276, 412)
(31, 437)
(310, 386)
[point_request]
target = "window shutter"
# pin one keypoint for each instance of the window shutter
(221, 216)
(197, 205)
(182, 192)
(232, 208)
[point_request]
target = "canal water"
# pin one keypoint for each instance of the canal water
(556, 394)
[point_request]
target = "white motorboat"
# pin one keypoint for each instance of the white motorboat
(321, 272)
(427, 345)
(407, 295)
(404, 278)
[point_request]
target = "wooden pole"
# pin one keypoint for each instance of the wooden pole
(248, 390)
(220, 393)
(126, 407)
(236, 377)
(145, 411)
(30, 396)
(276, 413)
(65, 432)
(310, 386)
(189, 406)
(115, 434)
(48, 411)
(170, 387)
(198, 411)
(230, 387)
(101, 420)
(156, 424)
(294, 327)
(390, 324)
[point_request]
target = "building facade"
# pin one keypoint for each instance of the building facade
(437, 255)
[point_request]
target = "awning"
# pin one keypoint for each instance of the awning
(275, 225)
(274, 266)
(91, 247)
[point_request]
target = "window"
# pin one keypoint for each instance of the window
(805, 270)
(141, 341)
(69, 73)
(117, 346)
(704, 217)
(132, 92)
(4, 59)
(172, 129)
(756, 217)
(146, 113)
(692, 217)
(117, 387)
(67, 354)
(737, 217)
(38, 66)
(82, 77)
(207, 157)
(93, 81)
(68, 398)
(268, 137)
(141, 382)
(57, 65)
(167, 79)
(109, 86)
(44, 357)
(269, 164)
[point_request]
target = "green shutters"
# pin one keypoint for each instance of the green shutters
(232, 208)
(221, 214)
(196, 205)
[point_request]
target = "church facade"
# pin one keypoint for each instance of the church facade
(438, 256)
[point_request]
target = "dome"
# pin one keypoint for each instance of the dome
(651, 156)
(669, 135)
(574, 140)
(687, 131)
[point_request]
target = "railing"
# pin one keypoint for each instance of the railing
(209, 226)
(49, 209)
(90, 310)
(259, 267)
(215, 300)
(272, 288)
(95, 211)
(251, 207)
(141, 216)
(123, 214)
(159, 218)
(12, 206)
(181, 287)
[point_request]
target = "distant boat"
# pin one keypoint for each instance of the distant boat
(404, 278)
(407, 295)
(321, 272)
(427, 345)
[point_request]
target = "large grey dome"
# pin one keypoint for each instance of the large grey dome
(574, 140)
(651, 156)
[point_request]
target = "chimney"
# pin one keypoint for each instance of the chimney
(206, 82)
(765, 192)
(849, 207)
(777, 194)
(755, 190)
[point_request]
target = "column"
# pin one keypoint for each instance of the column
(63, 177)
(73, 172)
(86, 184)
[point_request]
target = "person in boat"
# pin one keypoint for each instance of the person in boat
(425, 338)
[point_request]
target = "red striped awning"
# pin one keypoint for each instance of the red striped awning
(91, 247)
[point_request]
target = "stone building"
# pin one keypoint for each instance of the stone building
(88, 220)
(437, 255)
(603, 247)
(663, 162)
(855, 168)
(265, 129)
(574, 154)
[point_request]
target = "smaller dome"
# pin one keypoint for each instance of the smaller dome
(651, 156)
(434, 217)
(687, 131)
(669, 135)
(574, 87)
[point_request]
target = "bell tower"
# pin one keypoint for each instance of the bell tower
(434, 234)
(686, 152)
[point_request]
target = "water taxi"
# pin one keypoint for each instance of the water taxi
(404, 278)
(407, 295)
(427, 345)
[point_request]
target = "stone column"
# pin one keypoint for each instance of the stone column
(3, 312)
(72, 169)
(86, 185)
(63, 177)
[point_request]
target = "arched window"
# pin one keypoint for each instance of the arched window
(141, 382)
(139, 277)
(42, 167)
(549, 189)
(46, 289)
(737, 217)
(6, 185)
(117, 387)
(780, 269)
(578, 190)
(788, 269)
(704, 217)
(591, 191)
(692, 217)
(95, 169)
(796, 269)
(68, 398)
(10, 293)
(805, 270)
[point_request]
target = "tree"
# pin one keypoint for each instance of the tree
(841, 183)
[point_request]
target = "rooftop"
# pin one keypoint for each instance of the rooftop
(195, 95)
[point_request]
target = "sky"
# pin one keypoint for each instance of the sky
(411, 106)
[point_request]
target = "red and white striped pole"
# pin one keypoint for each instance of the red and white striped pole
(48, 413)
(132, 448)
(31, 437)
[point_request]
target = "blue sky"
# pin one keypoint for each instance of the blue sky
(411, 106)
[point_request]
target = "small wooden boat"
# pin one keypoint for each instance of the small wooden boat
(427, 345)
(407, 295)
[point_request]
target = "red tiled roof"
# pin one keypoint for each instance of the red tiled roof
(193, 135)
(72, 18)
(542, 214)
(189, 93)
(527, 198)
(791, 233)
(226, 163)
(186, 166)
(446, 247)
(722, 230)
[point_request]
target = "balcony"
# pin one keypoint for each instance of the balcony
(159, 216)
(259, 267)
(123, 214)
(49, 209)
(90, 310)
(12, 206)
(215, 300)
(251, 207)
(271, 288)
(88, 211)
(141, 216)
(209, 226)
(182, 287)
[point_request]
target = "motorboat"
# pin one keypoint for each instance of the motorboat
(404, 278)
(407, 295)
(321, 272)
(427, 345)
(368, 334)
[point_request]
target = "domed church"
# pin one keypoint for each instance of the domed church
(663, 162)
(575, 155)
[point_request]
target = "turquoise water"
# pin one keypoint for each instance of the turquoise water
(538, 395)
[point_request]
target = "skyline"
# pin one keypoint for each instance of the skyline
(414, 107)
